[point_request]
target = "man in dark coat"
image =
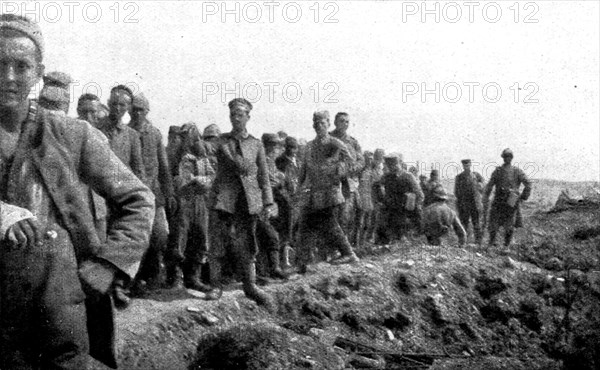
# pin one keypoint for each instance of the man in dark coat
(240, 193)
(439, 218)
(394, 191)
(505, 210)
(468, 187)
(158, 179)
(51, 260)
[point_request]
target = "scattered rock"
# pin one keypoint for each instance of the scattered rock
(404, 284)
(509, 263)
(389, 334)
(397, 322)
(487, 287)
(438, 311)
(209, 319)
(406, 265)
(554, 264)
(315, 332)
(362, 362)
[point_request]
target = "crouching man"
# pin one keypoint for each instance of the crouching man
(438, 218)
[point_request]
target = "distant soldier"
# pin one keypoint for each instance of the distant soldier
(124, 140)
(400, 195)
(89, 108)
(505, 211)
(326, 162)
(438, 218)
(430, 187)
(56, 94)
(158, 179)
(290, 165)
(348, 216)
(173, 149)
(468, 187)
(368, 176)
(241, 193)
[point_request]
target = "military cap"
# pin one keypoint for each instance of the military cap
(291, 142)
(211, 130)
(55, 94)
(379, 153)
(435, 172)
(24, 25)
(240, 103)
(440, 193)
(59, 79)
(140, 101)
(393, 158)
(174, 130)
(507, 153)
(466, 161)
(271, 139)
(323, 114)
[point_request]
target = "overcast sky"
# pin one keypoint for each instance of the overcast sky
(523, 76)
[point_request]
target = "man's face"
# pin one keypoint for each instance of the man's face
(119, 103)
(368, 159)
(138, 114)
(175, 140)
(19, 70)
(89, 110)
(434, 177)
(321, 126)
(467, 167)
(239, 117)
(507, 159)
(342, 123)
(291, 151)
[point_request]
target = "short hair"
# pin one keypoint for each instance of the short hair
(35, 36)
(339, 114)
(86, 97)
(122, 88)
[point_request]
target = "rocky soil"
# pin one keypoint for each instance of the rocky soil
(410, 306)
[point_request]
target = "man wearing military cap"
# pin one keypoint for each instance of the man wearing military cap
(468, 186)
(326, 162)
(505, 210)
(438, 218)
(56, 276)
(430, 186)
(56, 94)
(240, 193)
(394, 191)
(158, 179)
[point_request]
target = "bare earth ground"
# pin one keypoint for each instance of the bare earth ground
(414, 306)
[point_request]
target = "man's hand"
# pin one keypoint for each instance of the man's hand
(26, 232)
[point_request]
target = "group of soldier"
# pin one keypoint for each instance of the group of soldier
(83, 200)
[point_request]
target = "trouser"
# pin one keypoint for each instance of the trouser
(190, 238)
(502, 215)
(365, 219)
(320, 232)
(471, 213)
(42, 310)
(392, 226)
(234, 235)
(150, 265)
(268, 242)
(348, 216)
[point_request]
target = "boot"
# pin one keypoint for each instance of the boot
(191, 278)
(252, 291)
(174, 278)
(215, 280)
(508, 238)
(493, 238)
(276, 271)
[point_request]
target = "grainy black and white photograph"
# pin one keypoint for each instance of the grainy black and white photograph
(309, 184)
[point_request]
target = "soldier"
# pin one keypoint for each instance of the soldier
(468, 187)
(438, 218)
(430, 187)
(173, 149)
(400, 195)
(267, 234)
(124, 140)
(56, 276)
(348, 215)
(326, 162)
(89, 108)
(158, 179)
(505, 211)
(368, 176)
(56, 94)
(240, 194)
